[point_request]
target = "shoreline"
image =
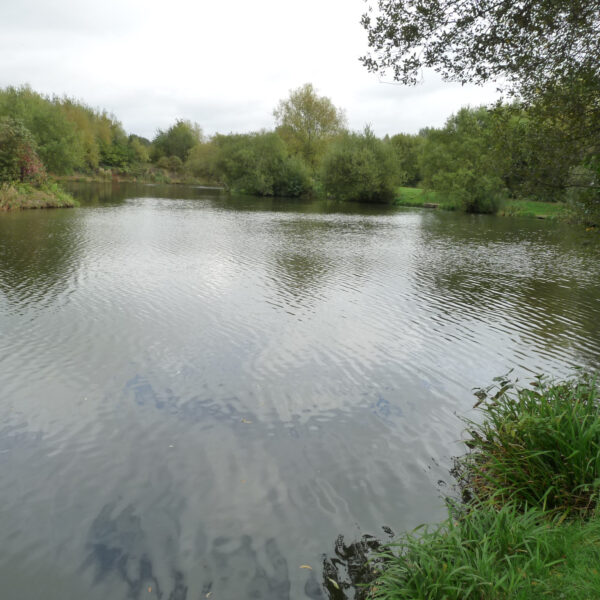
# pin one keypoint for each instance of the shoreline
(23, 196)
(420, 198)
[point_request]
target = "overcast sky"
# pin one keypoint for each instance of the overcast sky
(224, 64)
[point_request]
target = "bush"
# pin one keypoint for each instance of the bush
(174, 164)
(472, 191)
(359, 167)
(537, 447)
(18, 157)
(258, 164)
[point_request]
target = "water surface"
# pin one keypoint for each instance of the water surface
(199, 392)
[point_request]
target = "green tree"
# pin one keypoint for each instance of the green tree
(359, 167)
(307, 122)
(201, 161)
(461, 162)
(58, 144)
(407, 149)
(178, 140)
(530, 43)
(545, 53)
(140, 148)
(258, 163)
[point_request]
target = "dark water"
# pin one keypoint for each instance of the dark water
(199, 392)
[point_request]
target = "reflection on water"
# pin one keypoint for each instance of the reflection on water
(200, 392)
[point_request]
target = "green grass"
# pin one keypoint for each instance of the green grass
(530, 524)
(417, 197)
(19, 196)
(406, 196)
(490, 554)
(531, 208)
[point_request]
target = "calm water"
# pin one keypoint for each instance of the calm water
(199, 392)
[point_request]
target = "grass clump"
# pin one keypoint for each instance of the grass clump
(17, 196)
(537, 446)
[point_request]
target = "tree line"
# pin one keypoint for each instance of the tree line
(482, 155)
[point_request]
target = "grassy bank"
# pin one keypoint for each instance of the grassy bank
(538, 210)
(529, 526)
(417, 197)
(21, 196)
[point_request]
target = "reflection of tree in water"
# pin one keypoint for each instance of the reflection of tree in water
(310, 253)
(538, 280)
(308, 206)
(118, 547)
(299, 275)
(113, 194)
(38, 254)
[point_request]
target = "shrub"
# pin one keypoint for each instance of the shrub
(360, 167)
(174, 163)
(473, 191)
(258, 164)
(18, 157)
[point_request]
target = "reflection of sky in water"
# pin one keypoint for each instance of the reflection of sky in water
(198, 399)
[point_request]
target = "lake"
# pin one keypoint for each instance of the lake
(199, 392)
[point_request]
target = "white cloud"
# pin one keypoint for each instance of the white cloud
(224, 65)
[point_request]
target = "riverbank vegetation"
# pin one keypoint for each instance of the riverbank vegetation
(506, 159)
(20, 196)
(528, 524)
(23, 179)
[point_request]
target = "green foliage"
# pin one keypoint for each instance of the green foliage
(537, 447)
(18, 157)
(359, 167)
(407, 150)
(68, 134)
(529, 43)
(178, 140)
(545, 52)
(24, 195)
(139, 150)
(258, 163)
(175, 164)
(489, 554)
(308, 122)
(461, 163)
(58, 145)
(201, 162)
